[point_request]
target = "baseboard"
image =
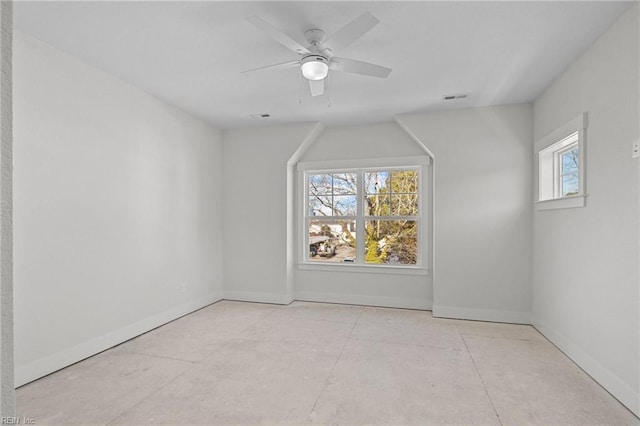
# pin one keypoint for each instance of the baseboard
(612, 383)
(250, 296)
(54, 362)
(513, 317)
(356, 299)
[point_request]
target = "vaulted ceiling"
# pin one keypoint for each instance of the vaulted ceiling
(191, 54)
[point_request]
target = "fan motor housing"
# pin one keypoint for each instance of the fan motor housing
(318, 58)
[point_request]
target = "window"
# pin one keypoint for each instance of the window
(561, 167)
(367, 216)
(332, 216)
(391, 216)
(566, 165)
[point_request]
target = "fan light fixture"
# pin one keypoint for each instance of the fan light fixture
(314, 67)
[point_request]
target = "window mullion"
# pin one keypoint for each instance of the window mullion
(390, 217)
(360, 231)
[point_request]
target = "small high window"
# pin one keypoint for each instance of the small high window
(561, 167)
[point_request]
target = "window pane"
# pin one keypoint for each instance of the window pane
(391, 242)
(570, 184)
(404, 204)
(345, 183)
(345, 205)
(333, 194)
(570, 161)
(404, 181)
(374, 182)
(332, 241)
(377, 205)
(320, 205)
(320, 184)
(391, 193)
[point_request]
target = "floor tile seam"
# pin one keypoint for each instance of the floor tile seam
(244, 339)
(330, 373)
(161, 387)
(159, 356)
(416, 345)
(303, 341)
(519, 339)
(260, 340)
(324, 320)
(152, 393)
(223, 344)
(484, 386)
(248, 327)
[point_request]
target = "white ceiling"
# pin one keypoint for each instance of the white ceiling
(191, 53)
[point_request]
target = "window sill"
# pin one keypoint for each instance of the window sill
(369, 269)
(562, 203)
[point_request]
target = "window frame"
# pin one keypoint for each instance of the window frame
(549, 151)
(362, 166)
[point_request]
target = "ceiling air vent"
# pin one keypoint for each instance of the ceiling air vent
(454, 97)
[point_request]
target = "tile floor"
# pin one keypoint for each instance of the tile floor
(313, 363)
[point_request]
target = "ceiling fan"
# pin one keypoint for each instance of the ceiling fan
(316, 59)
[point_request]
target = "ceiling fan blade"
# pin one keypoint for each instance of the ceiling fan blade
(316, 87)
(278, 35)
(352, 31)
(275, 67)
(358, 67)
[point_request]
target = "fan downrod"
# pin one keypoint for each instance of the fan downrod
(315, 37)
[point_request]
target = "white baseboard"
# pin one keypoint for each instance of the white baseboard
(512, 317)
(612, 383)
(356, 299)
(47, 365)
(250, 296)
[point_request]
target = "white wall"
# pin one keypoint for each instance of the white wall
(483, 210)
(586, 283)
(255, 209)
(116, 205)
(382, 140)
(483, 188)
(7, 388)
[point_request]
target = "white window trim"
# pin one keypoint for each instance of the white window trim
(577, 125)
(419, 162)
(359, 268)
(568, 202)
